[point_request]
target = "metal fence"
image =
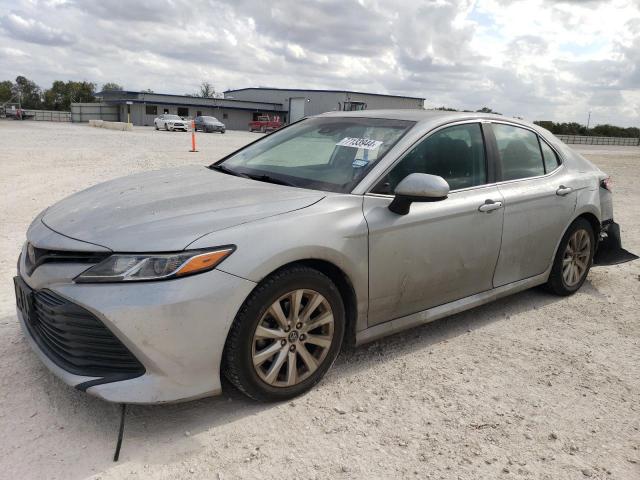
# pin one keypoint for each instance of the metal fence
(83, 112)
(589, 140)
(48, 115)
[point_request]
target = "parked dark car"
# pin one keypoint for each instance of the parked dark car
(209, 124)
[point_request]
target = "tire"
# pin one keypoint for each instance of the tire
(244, 345)
(156, 126)
(222, 131)
(166, 127)
(573, 259)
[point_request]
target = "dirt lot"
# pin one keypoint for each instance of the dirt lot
(533, 386)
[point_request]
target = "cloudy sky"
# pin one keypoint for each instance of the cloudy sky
(539, 59)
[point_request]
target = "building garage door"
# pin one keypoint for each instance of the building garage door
(296, 109)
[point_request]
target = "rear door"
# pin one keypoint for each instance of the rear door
(440, 251)
(539, 201)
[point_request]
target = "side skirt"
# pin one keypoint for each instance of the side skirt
(435, 313)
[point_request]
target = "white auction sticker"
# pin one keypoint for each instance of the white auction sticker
(364, 143)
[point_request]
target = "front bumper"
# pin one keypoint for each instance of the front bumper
(176, 328)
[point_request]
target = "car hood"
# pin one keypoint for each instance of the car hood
(166, 210)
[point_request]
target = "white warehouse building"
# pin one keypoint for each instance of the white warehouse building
(237, 108)
(299, 103)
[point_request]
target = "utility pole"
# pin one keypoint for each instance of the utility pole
(588, 119)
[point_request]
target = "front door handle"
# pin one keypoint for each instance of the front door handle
(489, 206)
(562, 190)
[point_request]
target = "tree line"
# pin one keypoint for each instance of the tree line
(59, 97)
(570, 128)
(574, 128)
(62, 94)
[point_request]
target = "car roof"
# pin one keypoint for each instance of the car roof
(432, 117)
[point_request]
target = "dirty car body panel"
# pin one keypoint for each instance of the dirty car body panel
(161, 339)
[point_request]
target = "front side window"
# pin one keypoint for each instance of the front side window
(454, 153)
(551, 161)
(330, 154)
(519, 152)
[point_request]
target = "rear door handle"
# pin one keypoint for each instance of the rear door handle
(489, 206)
(562, 190)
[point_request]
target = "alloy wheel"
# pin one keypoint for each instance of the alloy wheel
(575, 261)
(292, 338)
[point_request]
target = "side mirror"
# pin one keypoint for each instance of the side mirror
(418, 187)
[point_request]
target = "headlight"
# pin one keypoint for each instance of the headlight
(139, 267)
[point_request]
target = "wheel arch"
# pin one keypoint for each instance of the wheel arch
(344, 285)
(593, 220)
(591, 216)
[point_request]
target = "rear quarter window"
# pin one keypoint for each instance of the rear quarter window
(551, 161)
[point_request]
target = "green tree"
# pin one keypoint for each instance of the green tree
(112, 87)
(487, 110)
(28, 92)
(6, 91)
(62, 94)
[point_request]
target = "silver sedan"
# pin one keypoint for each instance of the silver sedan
(341, 228)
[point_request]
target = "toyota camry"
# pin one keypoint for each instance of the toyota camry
(340, 228)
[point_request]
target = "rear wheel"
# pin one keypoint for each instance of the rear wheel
(286, 336)
(573, 259)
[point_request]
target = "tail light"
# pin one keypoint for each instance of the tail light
(607, 184)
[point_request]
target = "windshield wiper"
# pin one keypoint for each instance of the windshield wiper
(260, 178)
(269, 179)
(228, 171)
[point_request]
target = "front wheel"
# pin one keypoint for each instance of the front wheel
(156, 126)
(286, 336)
(573, 259)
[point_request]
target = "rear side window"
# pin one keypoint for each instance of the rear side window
(550, 158)
(454, 153)
(519, 152)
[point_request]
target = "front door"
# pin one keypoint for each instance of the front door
(440, 251)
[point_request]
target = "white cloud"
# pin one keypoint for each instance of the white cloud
(541, 59)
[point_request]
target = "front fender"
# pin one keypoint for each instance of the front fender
(333, 230)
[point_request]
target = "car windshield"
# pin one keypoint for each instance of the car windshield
(322, 153)
(209, 119)
(172, 117)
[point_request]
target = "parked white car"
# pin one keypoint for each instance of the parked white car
(171, 122)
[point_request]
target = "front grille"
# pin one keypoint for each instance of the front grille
(77, 341)
(38, 256)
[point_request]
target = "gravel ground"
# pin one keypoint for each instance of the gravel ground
(533, 386)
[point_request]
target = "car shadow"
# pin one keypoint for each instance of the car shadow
(153, 432)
